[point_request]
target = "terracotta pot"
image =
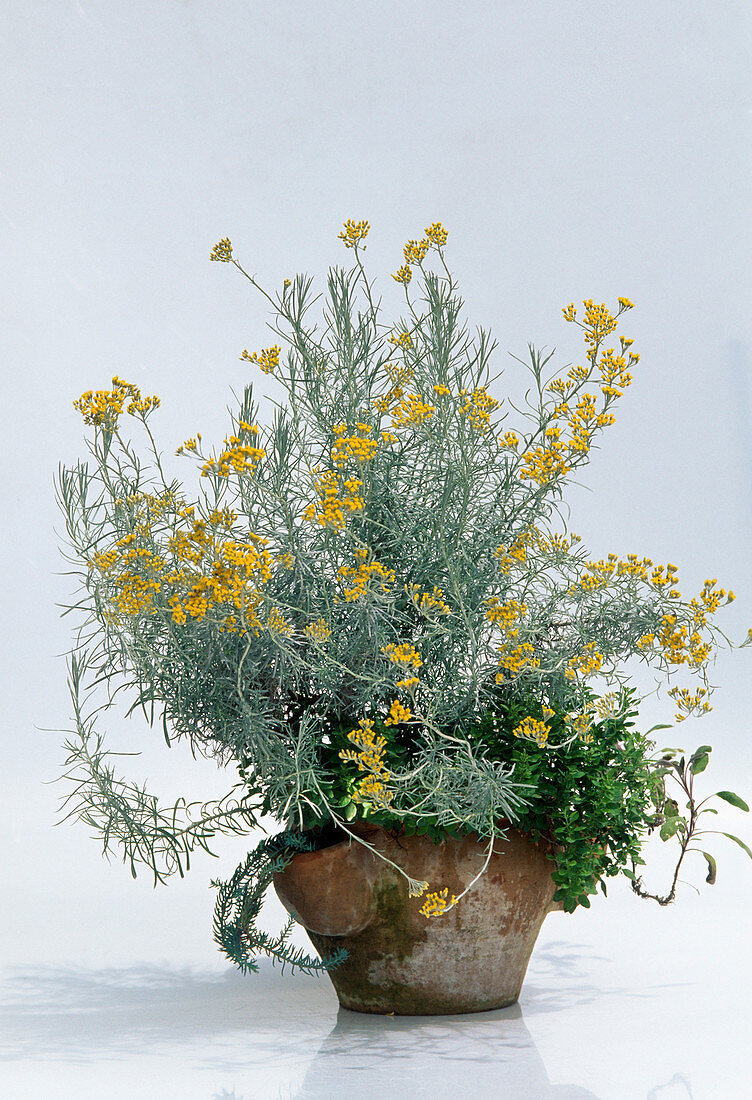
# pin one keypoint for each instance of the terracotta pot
(471, 959)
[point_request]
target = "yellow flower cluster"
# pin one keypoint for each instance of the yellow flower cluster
(404, 274)
(333, 502)
(690, 703)
(437, 903)
(134, 593)
(148, 506)
(374, 790)
(428, 603)
(582, 724)
(319, 631)
(384, 402)
(191, 444)
(545, 464)
(191, 545)
(104, 560)
(437, 234)
(357, 446)
(516, 659)
(614, 374)
(682, 643)
(509, 441)
(712, 599)
(354, 232)
(361, 578)
(102, 408)
(598, 323)
(600, 573)
(267, 358)
(403, 654)
(415, 251)
(478, 408)
(178, 614)
(586, 663)
(232, 578)
(441, 391)
(534, 729)
(564, 386)
(238, 458)
(585, 421)
(140, 579)
(403, 340)
(277, 624)
(556, 543)
(398, 375)
(411, 410)
(514, 555)
(251, 560)
(607, 705)
(222, 517)
(680, 646)
(369, 758)
(397, 714)
(506, 614)
(222, 251)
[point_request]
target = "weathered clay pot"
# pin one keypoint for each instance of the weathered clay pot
(471, 959)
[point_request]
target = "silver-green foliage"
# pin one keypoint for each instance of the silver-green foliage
(448, 505)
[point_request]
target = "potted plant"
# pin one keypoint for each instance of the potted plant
(372, 609)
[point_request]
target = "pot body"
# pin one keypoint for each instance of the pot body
(471, 959)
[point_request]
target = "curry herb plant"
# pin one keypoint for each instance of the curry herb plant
(370, 605)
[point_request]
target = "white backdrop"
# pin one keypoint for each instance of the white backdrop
(586, 149)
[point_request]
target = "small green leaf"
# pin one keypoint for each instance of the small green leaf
(734, 799)
(670, 828)
(702, 750)
(698, 764)
(350, 811)
(584, 901)
(739, 842)
(711, 868)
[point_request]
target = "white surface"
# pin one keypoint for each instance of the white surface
(616, 1005)
(586, 149)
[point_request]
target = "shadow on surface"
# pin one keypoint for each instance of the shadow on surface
(492, 1053)
(560, 978)
(82, 1015)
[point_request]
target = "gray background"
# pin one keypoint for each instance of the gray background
(574, 150)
